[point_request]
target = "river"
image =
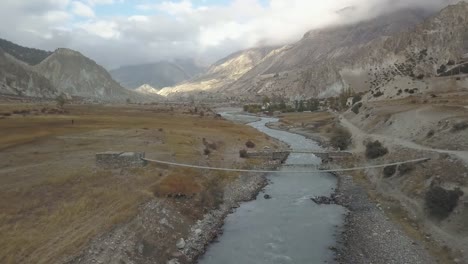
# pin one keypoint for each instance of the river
(289, 227)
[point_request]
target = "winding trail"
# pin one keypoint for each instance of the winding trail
(359, 137)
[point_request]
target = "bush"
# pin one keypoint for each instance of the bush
(460, 126)
(357, 98)
(441, 202)
(177, 183)
(243, 153)
(213, 195)
(356, 108)
(389, 171)
(341, 139)
(405, 168)
(378, 94)
(207, 151)
(375, 150)
(61, 101)
(250, 144)
(430, 134)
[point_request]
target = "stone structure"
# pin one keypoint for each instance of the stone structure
(282, 155)
(116, 160)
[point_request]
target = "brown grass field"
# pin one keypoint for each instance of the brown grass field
(53, 199)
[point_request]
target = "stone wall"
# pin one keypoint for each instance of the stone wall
(116, 160)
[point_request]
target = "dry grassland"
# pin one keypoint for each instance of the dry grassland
(52, 198)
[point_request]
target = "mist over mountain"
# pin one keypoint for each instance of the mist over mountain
(157, 75)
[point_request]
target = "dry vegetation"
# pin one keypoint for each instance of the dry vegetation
(52, 198)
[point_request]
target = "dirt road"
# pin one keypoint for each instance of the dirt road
(359, 137)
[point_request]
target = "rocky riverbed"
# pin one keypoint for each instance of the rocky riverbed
(159, 225)
(368, 235)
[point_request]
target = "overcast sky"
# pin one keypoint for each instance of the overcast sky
(120, 32)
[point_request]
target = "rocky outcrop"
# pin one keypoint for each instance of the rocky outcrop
(16, 78)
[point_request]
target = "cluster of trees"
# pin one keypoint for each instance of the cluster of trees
(276, 103)
(280, 105)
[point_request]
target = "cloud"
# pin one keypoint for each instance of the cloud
(146, 32)
(81, 9)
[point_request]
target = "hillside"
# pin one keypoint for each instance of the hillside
(223, 72)
(158, 75)
(77, 75)
(18, 79)
(316, 65)
(146, 89)
(29, 55)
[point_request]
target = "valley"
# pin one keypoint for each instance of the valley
(235, 142)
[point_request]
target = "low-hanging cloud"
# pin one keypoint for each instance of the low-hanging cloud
(177, 29)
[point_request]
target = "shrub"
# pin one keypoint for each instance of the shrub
(60, 100)
(213, 195)
(441, 202)
(356, 108)
(243, 153)
(250, 144)
(378, 94)
(176, 183)
(375, 150)
(460, 126)
(357, 98)
(341, 139)
(389, 171)
(430, 133)
(207, 151)
(405, 168)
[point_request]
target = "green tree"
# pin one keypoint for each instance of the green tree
(61, 100)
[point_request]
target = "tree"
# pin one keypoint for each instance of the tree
(60, 100)
(301, 106)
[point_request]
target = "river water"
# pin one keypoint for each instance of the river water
(289, 228)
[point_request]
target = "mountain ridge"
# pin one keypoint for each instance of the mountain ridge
(158, 75)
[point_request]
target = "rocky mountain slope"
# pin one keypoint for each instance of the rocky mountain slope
(389, 56)
(16, 78)
(223, 72)
(29, 55)
(157, 75)
(77, 75)
(324, 62)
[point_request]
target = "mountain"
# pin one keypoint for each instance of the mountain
(157, 75)
(28, 55)
(319, 64)
(147, 89)
(223, 72)
(16, 78)
(77, 75)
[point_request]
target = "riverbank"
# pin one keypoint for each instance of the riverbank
(206, 230)
(368, 235)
